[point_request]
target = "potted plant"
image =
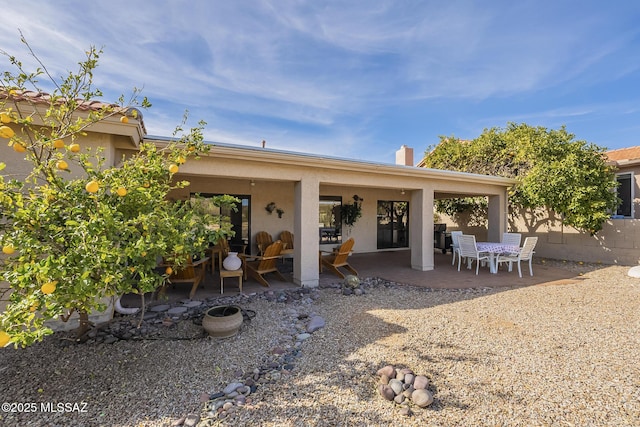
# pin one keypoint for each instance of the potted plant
(350, 212)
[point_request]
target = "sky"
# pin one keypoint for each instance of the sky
(354, 79)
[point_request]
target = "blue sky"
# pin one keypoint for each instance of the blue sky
(353, 79)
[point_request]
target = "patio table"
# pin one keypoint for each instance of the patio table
(493, 249)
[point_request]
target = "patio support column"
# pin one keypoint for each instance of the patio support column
(306, 244)
(497, 217)
(421, 223)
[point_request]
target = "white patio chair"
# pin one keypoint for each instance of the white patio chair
(469, 250)
(511, 239)
(526, 254)
(455, 248)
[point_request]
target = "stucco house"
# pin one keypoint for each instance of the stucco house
(397, 198)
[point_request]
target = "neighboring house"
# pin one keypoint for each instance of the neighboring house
(627, 161)
(617, 243)
(397, 199)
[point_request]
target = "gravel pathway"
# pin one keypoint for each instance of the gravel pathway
(534, 356)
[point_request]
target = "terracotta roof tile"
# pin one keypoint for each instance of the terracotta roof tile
(45, 98)
(624, 154)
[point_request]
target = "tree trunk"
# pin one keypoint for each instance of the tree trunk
(84, 324)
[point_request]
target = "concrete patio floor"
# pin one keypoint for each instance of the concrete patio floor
(394, 266)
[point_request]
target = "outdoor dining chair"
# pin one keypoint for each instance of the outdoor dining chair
(469, 250)
(525, 254)
(511, 239)
(455, 247)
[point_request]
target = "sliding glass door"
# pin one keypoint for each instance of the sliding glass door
(393, 224)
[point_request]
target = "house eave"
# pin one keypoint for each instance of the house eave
(283, 157)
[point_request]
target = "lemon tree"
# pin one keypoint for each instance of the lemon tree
(69, 240)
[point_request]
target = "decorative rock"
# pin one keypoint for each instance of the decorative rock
(634, 272)
(405, 412)
(388, 370)
(160, 308)
(422, 398)
(420, 382)
(409, 378)
(204, 397)
(400, 376)
(302, 337)
(399, 399)
(191, 421)
(232, 387)
(177, 310)
(316, 323)
(384, 379)
(386, 392)
(396, 386)
(217, 395)
(110, 339)
(192, 304)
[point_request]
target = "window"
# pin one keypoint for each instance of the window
(330, 222)
(625, 194)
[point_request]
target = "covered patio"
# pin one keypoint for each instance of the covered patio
(394, 266)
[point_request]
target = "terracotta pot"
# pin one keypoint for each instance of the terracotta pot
(222, 321)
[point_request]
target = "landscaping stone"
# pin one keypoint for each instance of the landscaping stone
(404, 387)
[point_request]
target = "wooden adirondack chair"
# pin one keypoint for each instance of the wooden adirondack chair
(258, 266)
(287, 239)
(219, 251)
(338, 258)
(193, 272)
(263, 239)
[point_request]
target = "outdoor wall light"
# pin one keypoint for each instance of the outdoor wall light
(402, 191)
(253, 183)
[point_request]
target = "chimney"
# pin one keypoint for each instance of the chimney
(404, 156)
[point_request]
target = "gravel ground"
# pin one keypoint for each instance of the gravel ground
(534, 356)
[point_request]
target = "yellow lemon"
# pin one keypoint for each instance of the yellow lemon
(58, 143)
(8, 249)
(124, 119)
(169, 270)
(174, 168)
(92, 186)
(19, 148)
(121, 191)
(146, 185)
(62, 165)
(4, 338)
(74, 148)
(180, 160)
(6, 132)
(33, 308)
(49, 287)
(5, 118)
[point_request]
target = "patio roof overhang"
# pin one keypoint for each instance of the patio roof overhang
(403, 175)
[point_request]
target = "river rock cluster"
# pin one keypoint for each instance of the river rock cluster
(351, 285)
(404, 387)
